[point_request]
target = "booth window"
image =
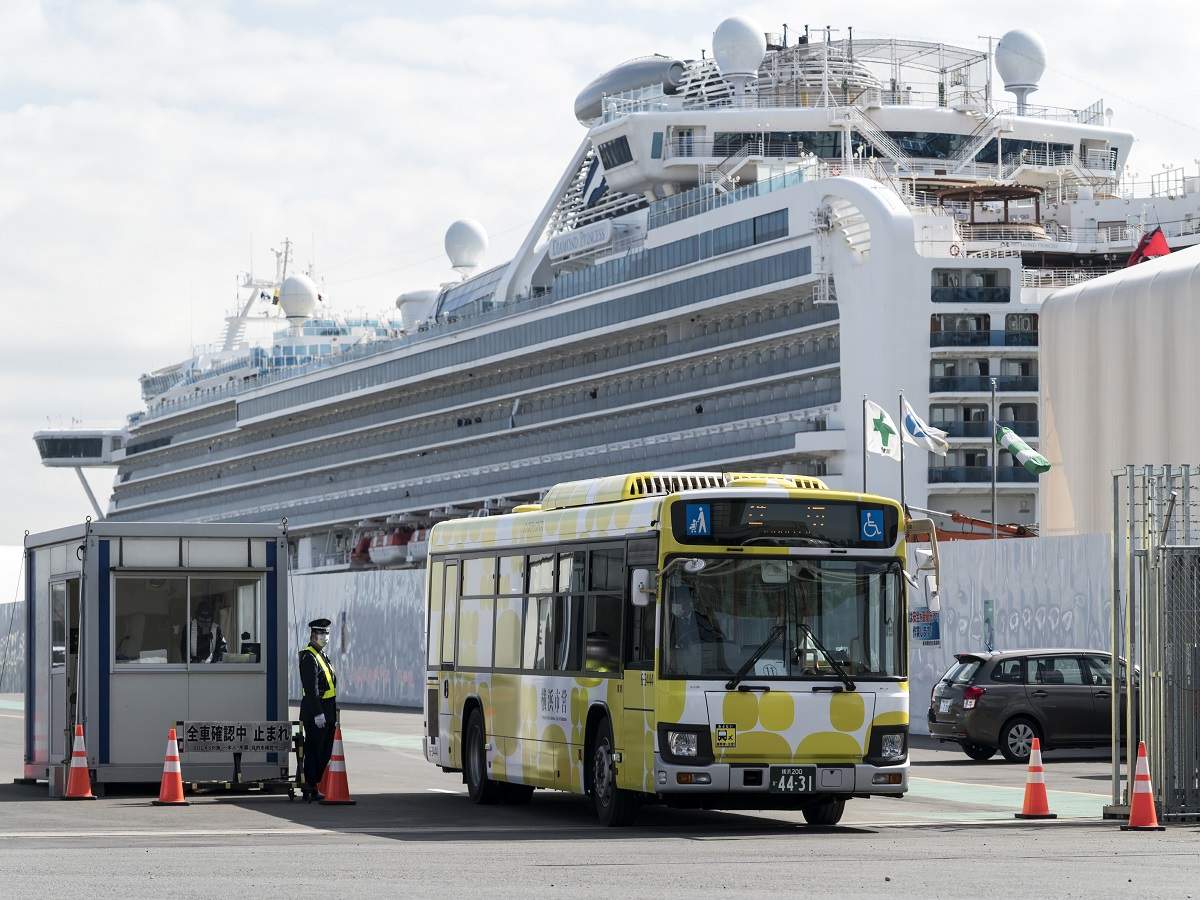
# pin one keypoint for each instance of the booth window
(223, 623)
(149, 617)
(164, 620)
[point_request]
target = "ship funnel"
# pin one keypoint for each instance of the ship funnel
(466, 242)
(739, 46)
(1021, 61)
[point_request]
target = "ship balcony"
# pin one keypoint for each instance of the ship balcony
(1026, 428)
(983, 338)
(974, 384)
(950, 475)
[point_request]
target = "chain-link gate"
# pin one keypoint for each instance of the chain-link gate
(1156, 628)
(1179, 693)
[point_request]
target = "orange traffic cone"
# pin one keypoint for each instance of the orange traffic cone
(323, 784)
(1037, 804)
(1142, 815)
(170, 791)
(337, 788)
(79, 785)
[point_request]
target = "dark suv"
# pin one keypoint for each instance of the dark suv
(989, 701)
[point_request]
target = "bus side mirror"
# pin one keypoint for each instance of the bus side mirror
(641, 587)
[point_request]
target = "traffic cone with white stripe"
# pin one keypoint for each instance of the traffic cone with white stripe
(79, 784)
(337, 788)
(1037, 803)
(1142, 814)
(170, 791)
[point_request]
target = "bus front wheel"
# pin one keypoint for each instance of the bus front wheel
(614, 806)
(480, 788)
(827, 812)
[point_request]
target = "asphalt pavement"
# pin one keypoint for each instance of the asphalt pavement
(414, 832)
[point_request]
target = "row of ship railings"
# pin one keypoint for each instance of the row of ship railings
(982, 338)
(975, 384)
(697, 394)
(1099, 235)
(753, 327)
(504, 474)
(984, 429)
(813, 95)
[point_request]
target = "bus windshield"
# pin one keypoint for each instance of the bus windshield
(815, 616)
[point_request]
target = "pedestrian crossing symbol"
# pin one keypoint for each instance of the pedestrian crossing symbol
(699, 519)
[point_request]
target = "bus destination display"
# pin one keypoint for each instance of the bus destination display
(800, 523)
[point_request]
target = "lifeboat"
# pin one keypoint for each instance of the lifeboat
(391, 547)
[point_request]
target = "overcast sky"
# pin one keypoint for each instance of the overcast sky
(149, 151)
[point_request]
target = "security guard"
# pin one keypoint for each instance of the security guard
(318, 708)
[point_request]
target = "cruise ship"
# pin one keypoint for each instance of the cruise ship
(743, 247)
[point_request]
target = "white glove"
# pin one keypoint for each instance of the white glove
(319, 721)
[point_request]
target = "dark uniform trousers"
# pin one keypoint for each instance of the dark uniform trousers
(318, 742)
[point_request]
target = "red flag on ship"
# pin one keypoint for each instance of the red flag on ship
(1151, 245)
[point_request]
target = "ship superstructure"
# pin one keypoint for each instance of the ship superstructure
(742, 247)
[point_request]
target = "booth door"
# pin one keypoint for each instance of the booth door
(64, 649)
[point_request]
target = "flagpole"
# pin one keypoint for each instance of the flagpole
(903, 431)
(995, 461)
(864, 442)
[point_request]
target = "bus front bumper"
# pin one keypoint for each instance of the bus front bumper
(751, 783)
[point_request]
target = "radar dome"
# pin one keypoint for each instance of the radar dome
(415, 307)
(1020, 59)
(298, 297)
(466, 242)
(739, 46)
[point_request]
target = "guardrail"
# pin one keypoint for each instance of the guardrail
(983, 339)
(957, 384)
(979, 475)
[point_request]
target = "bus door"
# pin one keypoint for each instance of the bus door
(636, 737)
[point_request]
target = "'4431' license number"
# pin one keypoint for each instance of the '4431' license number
(794, 779)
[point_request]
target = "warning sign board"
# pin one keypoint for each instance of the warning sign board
(235, 737)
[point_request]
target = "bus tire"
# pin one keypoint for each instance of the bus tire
(480, 788)
(615, 807)
(826, 812)
(516, 794)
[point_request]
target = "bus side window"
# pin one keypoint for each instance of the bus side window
(433, 634)
(450, 615)
(639, 634)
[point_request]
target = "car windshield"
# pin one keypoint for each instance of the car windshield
(804, 618)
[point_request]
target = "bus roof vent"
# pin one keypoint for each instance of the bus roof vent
(614, 488)
(776, 480)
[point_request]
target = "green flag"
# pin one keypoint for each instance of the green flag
(1034, 462)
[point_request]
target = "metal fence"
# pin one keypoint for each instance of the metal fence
(1156, 628)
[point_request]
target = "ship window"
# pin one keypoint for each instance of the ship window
(615, 152)
(656, 145)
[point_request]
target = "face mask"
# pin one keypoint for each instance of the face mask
(322, 640)
(677, 610)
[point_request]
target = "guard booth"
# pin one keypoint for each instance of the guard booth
(132, 627)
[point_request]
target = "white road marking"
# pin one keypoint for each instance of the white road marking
(443, 791)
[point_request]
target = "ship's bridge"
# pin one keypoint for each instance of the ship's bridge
(79, 447)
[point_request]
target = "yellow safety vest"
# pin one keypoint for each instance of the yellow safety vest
(331, 691)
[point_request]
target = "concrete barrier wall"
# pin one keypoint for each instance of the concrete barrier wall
(1015, 594)
(376, 640)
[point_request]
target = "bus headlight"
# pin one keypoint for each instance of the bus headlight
(682, 743)
(892, 747)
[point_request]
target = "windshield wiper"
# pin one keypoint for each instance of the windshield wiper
(833, 663)
(776, 633)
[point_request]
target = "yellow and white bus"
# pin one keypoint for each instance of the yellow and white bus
(703, 639)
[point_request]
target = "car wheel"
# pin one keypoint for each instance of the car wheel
(978, 752)
(614, 806)
(827, 812)
(480, 788)
(1016, 739)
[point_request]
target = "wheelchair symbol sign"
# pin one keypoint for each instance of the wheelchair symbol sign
(871, 525)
